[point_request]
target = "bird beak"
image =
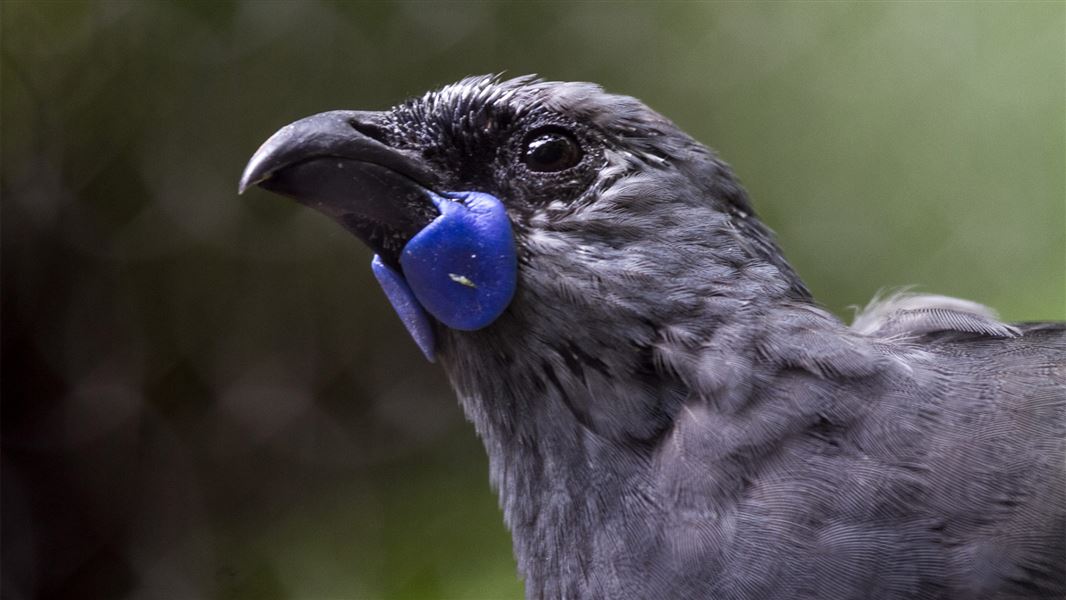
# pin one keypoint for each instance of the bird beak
(333, 163)
(447, 254)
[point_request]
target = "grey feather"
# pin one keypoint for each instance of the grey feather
(668, 414)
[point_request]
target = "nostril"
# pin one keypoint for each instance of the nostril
(370, 130)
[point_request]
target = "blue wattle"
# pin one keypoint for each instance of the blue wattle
(461, 268)
(405, 304)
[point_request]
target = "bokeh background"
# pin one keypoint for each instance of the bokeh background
(206, 395)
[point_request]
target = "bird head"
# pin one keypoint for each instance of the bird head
(549, 213)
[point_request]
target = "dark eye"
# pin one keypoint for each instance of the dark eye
(550, 151)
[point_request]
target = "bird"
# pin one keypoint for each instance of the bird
(667, 411)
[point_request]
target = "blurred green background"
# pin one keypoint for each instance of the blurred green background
(205, 395)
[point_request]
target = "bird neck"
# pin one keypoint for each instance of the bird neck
(576, 431)
(560, 482)
(574, 386)
(570, 418)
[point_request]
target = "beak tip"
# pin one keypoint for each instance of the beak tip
(253, 175)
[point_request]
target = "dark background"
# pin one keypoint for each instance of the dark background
(206, 395)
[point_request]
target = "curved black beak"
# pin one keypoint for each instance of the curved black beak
(337, 163)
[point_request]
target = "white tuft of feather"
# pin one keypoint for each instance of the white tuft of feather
(903, 314)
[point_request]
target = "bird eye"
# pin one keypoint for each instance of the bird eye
(550, 151)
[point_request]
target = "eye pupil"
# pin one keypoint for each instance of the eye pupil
(551, 151)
